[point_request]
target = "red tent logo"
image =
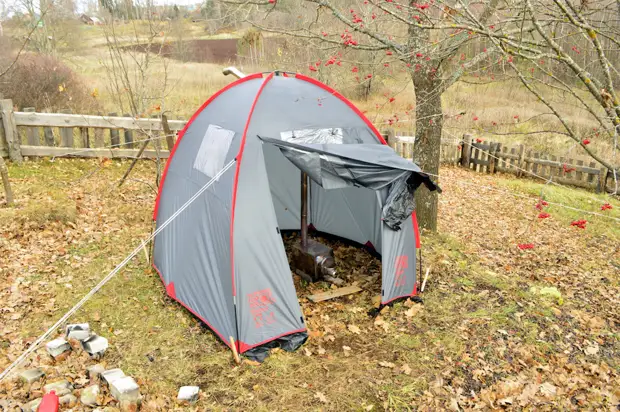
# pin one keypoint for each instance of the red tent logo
(261, 303)
(402, 263)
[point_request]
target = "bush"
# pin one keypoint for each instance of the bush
(45, 83)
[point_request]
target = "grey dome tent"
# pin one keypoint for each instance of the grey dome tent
(223, 258)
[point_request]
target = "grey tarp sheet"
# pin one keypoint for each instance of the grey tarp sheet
(335, 166)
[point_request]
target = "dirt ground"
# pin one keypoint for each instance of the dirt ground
(487, 336)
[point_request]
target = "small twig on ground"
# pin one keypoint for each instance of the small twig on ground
(135, 160)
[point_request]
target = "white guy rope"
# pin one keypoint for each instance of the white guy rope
(110, 275)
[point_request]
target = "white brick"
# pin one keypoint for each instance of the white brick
(67, 400)
(57, 347)
(79, 331)
(32, 406)
(188, 393)
(111, 375)
(95, 371)
(89, 395)
(61, 388)
(95, 346)
(32, 375)
(125, 390)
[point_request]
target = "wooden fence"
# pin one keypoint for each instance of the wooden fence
(29, 133)
(493, 157)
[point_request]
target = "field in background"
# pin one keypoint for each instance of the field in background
(499, 110)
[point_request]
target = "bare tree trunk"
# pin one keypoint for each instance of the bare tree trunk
(4, 172)
(429, 123)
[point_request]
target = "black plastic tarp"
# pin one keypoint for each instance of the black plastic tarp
(334, 166)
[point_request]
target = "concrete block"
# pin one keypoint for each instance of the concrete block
(68, 400)
(95, 346)
(78, 331)
(61, 388)
(32, 375)
(57, 347)
(188, 393)
(111, 375)
(32, 406)
(94, 372)
(125, 390)
(89, 395)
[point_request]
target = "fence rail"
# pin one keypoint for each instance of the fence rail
(493, 157)
(33, 134)
(29, 133)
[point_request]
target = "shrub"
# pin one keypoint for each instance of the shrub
(45, 83)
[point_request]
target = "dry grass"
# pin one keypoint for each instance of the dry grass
(479, 285)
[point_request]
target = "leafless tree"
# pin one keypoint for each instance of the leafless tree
(409, 33)
(566, 52)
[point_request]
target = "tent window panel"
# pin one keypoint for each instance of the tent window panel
(213, 150)
(314, 136)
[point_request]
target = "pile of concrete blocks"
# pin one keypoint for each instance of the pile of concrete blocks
(121, 387)
(91, 343)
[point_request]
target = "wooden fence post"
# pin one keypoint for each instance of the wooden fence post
(115, 140)
(66, 133)
(10, 130)
(48, 135)
(465, 153)
(128, 135)
(390, 138)
(99, 139)
(520, 161)
(32, 133)
(4, 173)
(602, 181)
(167, 132)
(85, 137)
(491, 157)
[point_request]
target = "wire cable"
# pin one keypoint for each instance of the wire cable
(110, 275)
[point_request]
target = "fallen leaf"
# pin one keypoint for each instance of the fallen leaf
(354, 329)
(591, 350)
(380, 322)
(405, 369)
(321, 397)
(548, 389)
(385, 364)
(412, 311)
(528, 392)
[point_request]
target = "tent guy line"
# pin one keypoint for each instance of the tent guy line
(110, 275)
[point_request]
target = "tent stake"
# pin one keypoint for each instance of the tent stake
(234, 349)
(425, 278)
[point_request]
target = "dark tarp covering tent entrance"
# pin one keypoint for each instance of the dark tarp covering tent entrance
(223, 258)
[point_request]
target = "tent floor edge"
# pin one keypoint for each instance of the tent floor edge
(289, 343)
